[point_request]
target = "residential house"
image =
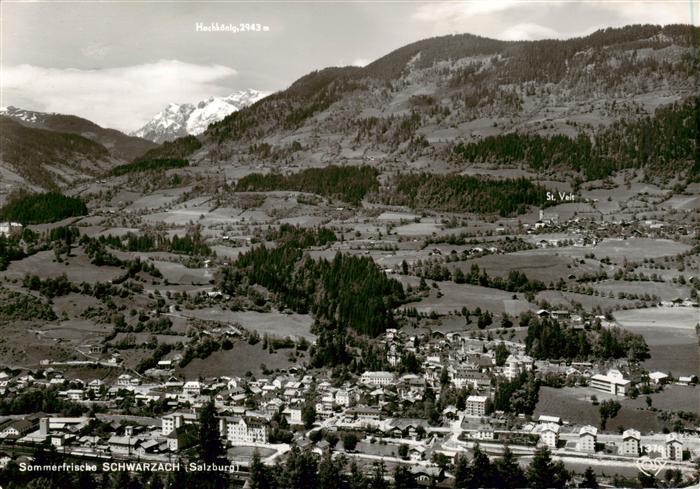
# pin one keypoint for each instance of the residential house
(587, 437)
(171, 422)
(516, 364)
(549, 434)
(674, 447)
(658, 377)
(630, 443)
(367, 413)
(476, 406)
(192, 388)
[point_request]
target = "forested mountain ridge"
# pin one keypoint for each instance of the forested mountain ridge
(117, 143)
(425, 100)
(48, 159)
(49, 151)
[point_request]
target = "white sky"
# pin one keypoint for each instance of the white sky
(118, 63)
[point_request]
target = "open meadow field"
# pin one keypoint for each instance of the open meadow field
(271, 323)
(573, 404)
(663, 290)
(22, 344)
(547, 268)
(455, 296)
(670, 334)
(616, 249)
(76, 267)
(673, 398)
(563, 300)
(242, 358)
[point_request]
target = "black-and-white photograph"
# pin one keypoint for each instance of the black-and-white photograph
(349, 244)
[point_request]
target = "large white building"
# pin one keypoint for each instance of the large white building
(549, 434)
(7, 228)
(630, 443)
(246, 429)
(476, 406)
(517, 364)
(379, 378)
(192, 388)
(613, 382)
(674, 447)
(587, 437)
(344, 397)
(171, 422)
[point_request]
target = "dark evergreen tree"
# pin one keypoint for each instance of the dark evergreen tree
(260, 477)
(508, 471)
(209, 449)
(461, 472)
(543, 473)
(590, 481)
(330, 473)
(481, 472)
(404, 478)
(300, 470)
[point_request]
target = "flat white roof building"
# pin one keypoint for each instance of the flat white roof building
(612, 382)
(476, 405)
(378, 378)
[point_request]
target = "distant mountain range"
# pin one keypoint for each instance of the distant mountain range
(177, 120)
(575, 108)
(41, 150)
(117, 143)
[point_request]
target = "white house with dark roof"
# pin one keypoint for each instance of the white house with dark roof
(630, 443)
(516, 364)
(587, 437)
(549, 434)
(674, 447)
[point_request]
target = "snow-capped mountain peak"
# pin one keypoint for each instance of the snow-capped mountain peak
(24, 115)
(177, 120)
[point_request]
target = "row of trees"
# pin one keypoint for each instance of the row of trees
(37, 208)
(548, 339)
(192, 243)
(347, 291)
(10, 250)
(519, 395)
(542, 473)
(149, 165)
(347, 183)
(662, 143)
(40, 400)
(460, 193)
(301, 237)
(515, 281)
